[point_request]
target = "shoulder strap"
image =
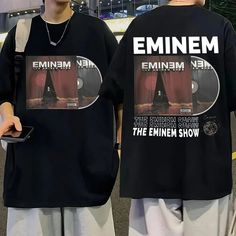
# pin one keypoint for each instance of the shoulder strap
(21, 38)
(22, 34)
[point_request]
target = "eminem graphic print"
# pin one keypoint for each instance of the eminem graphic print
(61, 82)
(174, 85)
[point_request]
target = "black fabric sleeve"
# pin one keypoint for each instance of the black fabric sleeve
(113, 85)
(230, 65)
(7, 68)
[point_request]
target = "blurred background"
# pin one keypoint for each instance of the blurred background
(117, 14)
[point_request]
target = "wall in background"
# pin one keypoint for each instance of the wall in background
(11, 5)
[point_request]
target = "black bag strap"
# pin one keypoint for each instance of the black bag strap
(18, 61)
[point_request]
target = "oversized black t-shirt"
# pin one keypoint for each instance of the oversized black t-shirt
(175, 73)
(69, 160)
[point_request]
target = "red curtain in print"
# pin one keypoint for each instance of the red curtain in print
(35, 79)
(64, 81)
(144, 82)
(178, 84)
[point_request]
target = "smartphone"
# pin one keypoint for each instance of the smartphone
(14, 136)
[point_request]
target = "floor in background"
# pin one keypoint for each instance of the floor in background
(120, 206)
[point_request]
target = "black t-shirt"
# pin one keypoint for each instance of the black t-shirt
(69, 160)
(175, 73)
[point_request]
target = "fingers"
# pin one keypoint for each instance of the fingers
(9, 123)
(17, 124)
(13, 133)
(4, 129)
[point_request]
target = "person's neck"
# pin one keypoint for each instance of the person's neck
(57, 13)
(181, 3)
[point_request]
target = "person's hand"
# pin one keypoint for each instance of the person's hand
(13, 133)
(9, 123)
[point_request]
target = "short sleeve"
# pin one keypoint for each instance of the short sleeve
(7, 68)
(230, 65)
(113, 85)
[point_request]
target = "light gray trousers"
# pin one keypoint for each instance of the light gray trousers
(174, 217)
(83, 221)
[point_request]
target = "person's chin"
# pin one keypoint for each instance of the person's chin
(62, 1)
(201, 3)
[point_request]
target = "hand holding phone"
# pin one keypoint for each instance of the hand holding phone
(14, 136)
(8, 123)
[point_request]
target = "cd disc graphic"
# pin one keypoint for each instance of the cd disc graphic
(89, 80)
(205, 85)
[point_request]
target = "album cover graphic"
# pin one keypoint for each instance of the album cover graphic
(174, 85)
(61, 82)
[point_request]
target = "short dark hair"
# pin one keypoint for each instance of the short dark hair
(43, 1)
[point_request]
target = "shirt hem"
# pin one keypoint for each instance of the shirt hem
(185, 197)
(21, 204)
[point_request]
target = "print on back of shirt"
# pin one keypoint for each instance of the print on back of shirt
(170, 91)
(61, 82)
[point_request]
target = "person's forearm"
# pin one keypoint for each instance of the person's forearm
(6, 110)
(8, 120)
